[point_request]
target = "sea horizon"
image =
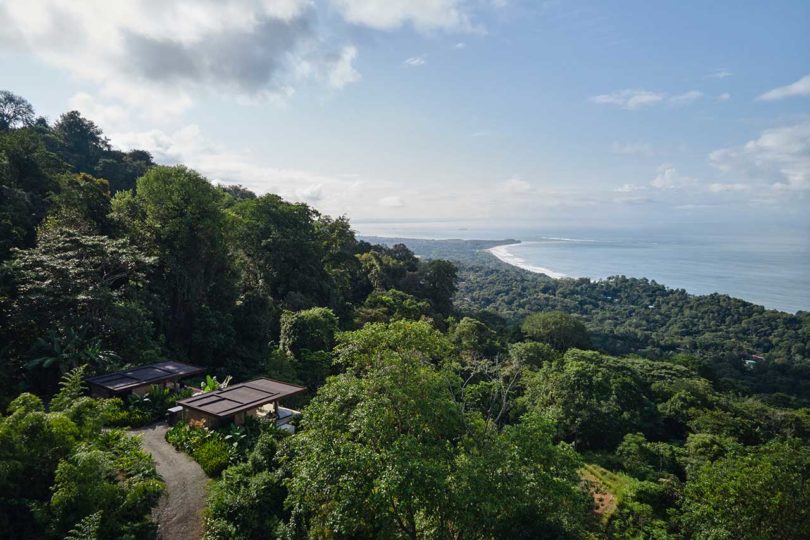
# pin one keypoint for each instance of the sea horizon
(767, 268)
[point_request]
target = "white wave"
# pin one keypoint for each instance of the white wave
(502, 253)
(564, 239)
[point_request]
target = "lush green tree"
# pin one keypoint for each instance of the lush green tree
(28, 178)
(245, 504)
(384, 271)
(15, 111)
(390, 305)
(84, 484)
(81, 142)
(112, 476)
(757, 493)
(339, 249)
(475, 339)
(71, 388)
(76, 299)
(310, 329)
(648, 459)
(57, 468)
(419, 340)
(531, 354)
(395, 423)
(703, 448)
(256, 323)
(122, 169)
(176, 214)
(279, 251)
(307, 338)
(558, 329)
(87, 528)
(386, 450)
(403, 255)
(635, 519)
(534, 481)
(437, 283)
(32, 442)
(83, 203)
(238, 192)
(593, 400)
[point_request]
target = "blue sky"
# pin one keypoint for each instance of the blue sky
(477, 112)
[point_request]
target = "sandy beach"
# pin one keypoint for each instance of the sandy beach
(503, 253)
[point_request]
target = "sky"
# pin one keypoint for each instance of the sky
(459, 112)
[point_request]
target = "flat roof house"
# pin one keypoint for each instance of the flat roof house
(140, 379)
(259, 397)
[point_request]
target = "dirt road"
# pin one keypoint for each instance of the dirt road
(179, 513)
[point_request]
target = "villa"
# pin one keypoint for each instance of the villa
(140, 379)
(258, 398)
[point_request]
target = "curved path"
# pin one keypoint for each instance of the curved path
(179, 513)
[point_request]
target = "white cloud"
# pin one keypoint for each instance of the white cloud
(155, 56)
(686, 98)
(630, 99)
(310, 194)
(415, 61)
(779, 157)
(391, 201)
(725, 96)
(459, 45)
(720, 188)
(798, 88)
(667, 177)
(105, 115)
(392, 14)
(634, 98)
(515, 185)
(721, 73)
(629, 188)
(343, 71)
(190, 147)
(632, 149)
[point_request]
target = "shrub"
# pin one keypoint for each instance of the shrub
(187, 438)
(312, 329)
(245, 504)
(112, 412)
(235, 442)
(71, 389)
(141, 410)
(213, 456)
(264, 452)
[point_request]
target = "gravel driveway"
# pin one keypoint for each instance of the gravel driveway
(179, 513)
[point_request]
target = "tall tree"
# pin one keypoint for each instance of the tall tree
(15, 112)
(279, 251)
(82, 143)
(387, 450)
(176, 214)
(438, 284)
(75, 299)
(28, 173)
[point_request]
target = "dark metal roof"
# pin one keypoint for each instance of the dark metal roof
(241, 397)
(120, 381)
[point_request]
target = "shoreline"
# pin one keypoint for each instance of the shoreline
(502, 254)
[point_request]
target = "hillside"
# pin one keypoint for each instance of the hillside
(446, 395)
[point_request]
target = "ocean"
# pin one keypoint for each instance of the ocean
(769, 268)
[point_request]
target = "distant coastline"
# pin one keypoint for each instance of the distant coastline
(503, 254)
